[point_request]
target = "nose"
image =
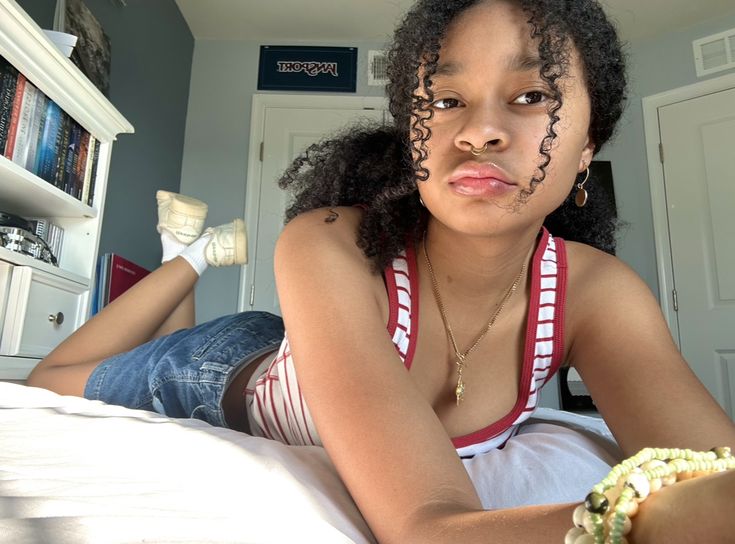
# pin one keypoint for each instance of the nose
(485, 130)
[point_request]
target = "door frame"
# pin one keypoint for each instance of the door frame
(662, 236)
(258, 108)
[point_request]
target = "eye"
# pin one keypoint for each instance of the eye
(531, 97)
(446, 103)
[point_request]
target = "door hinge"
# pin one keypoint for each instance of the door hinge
(676, 300)
(661, 152)
(252, 294)
(261, 151)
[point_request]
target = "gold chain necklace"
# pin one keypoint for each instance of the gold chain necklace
(461, 361)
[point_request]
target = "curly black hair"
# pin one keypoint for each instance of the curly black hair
(373, 166)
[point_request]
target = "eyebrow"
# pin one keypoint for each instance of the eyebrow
(524, 62)
(448, 69)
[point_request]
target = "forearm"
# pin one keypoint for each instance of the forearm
(688, 512)
(525, 525)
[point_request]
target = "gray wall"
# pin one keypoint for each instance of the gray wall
(223, 81)
(152, 50)
(42, 11)
(655, 66)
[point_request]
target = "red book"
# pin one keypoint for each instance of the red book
(13, 126)
(123, 275)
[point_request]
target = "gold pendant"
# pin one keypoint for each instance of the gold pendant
(459, 391)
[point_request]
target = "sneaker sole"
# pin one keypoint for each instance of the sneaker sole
(241, 242)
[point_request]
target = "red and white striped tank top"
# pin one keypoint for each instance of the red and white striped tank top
(277, 409)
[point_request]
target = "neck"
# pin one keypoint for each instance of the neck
(466, 265)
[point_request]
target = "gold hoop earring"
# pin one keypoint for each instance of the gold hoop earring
(477, 151)
(580, 199)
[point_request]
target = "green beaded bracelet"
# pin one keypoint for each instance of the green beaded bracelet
(605, 516)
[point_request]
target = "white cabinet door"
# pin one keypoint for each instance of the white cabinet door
(42, 310)
(697, 137)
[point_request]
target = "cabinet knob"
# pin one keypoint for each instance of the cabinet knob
(58, 318)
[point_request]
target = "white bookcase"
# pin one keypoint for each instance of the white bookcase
(41, 304)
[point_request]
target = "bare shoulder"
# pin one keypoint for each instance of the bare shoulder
(334, 223)
(322, 232)
(604, 292)
(586, 259)
(596, 275)
(317, 251)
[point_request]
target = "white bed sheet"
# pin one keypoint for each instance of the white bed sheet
(77, 471)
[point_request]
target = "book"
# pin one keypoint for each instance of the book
(25, 119)
(48, 142)
(67, 175)
(94, 291)
(101, 283)
(55, 240)
(8, 81)
(15, 116)
(62, 148)
(50, 232)
(36, 127)
(95, 162)
(123, 275)
(80, 164)
(88, 170)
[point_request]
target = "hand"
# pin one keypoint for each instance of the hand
(691, 511)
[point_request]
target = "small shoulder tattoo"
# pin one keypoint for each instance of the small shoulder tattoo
(331, 216)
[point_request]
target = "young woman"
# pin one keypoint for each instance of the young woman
(424, 298)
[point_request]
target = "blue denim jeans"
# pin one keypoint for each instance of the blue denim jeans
(186, 374)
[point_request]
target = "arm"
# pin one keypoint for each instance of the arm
(387, 444)
(690, 512)
(648, 395)
(623, 350)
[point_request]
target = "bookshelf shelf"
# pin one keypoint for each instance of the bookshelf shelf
(30, 196)
(18, 259)
(30, 289)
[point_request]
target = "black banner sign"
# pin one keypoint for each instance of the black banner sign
(307, 68)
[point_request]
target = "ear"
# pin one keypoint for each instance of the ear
(585, 158)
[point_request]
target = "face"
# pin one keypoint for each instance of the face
(487, 90)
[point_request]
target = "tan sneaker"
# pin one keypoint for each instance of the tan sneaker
(228, 244)
(182, 216)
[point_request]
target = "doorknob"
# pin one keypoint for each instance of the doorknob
(57, 318)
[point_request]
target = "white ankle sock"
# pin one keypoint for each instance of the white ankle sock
(194, 253)
(172, 247)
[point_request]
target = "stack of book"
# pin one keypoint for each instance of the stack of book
(115, 275)
(49, 232)
(38, 135)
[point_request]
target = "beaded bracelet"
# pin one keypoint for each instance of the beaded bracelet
(605, 516)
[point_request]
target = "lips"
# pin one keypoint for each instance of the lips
(470, 170)
(480, 179)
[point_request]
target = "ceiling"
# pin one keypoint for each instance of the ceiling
(374, 20)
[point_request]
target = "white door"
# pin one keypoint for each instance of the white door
(287, 131)
(697, 137)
